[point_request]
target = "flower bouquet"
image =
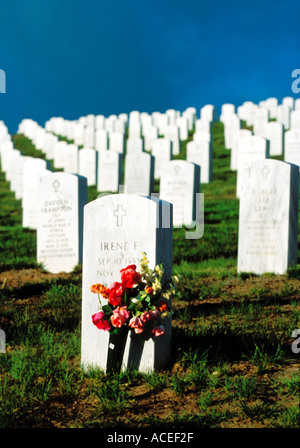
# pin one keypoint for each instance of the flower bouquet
(139, 303)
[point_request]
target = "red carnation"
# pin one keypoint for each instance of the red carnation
(99, 319)
(116, 293)
(129, 276)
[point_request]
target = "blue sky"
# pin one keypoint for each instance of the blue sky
(72, 57)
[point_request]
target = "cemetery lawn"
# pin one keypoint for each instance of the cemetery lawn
(233, 364)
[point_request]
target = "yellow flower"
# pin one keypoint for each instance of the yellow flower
(159, 270)
(166, 294)
(156, 285)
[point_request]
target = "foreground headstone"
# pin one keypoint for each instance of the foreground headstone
(268, 218)
(180, 184)
(133, 224)
(62, 197)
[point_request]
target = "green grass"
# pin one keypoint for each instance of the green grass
(231, 346)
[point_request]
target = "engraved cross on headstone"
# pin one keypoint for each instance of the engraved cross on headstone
(119, 213)
(55, 185)
(265, 172)
(176, 169)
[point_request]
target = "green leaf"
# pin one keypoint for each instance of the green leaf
(107, 309)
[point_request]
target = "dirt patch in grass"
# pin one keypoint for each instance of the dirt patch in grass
(17, 278)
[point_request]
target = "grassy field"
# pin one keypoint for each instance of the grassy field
(233, 366)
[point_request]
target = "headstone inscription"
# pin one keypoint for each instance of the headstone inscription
(62, 197)
(268, 218)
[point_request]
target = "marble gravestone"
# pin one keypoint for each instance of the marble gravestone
(268, 218)
(172, 134)
(109, 171)
(139, 173)
(117, 142)
(71, 159)
(180, 185)
(274, 132)
(162, 151)
(201, 153)
(134, 145)
(252, 148)
(62, 197)
(60, 154)
(232, 124)
(33, 170)
(133, 224)
(237, 141)
(101, 139)
(292, 146)
(88, 162)
(295, 119)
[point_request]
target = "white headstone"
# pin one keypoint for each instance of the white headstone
(101, 142)
(62, 197)
(274, 132)
(172, 134)
(295, 119)
(209, 113)
(203, 125)
(271, 104)
(117, 142)
(250, 149)
(135, 129)
(162, 151)
(89, 137)
(139, 173)
(78, 133)
(132, 225)
(292, 147)
(151, 134)
(134, 145)
(183, 125)
(88, 163)
(60, 154)
(179, 184)
(261, 118)
(231, 125)
(268, 218)
(283, 115)
(237, 138)
(109, 171)
(202, 136)
(33, 170)
(227, 109)
(200, 153)
(71, 159)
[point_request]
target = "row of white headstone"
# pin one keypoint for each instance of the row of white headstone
(103, 167)
(117, 228)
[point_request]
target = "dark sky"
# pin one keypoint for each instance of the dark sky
(72, 57)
